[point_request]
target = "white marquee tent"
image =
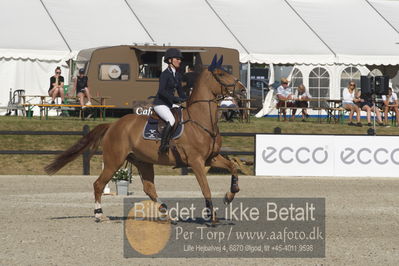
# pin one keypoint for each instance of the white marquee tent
(38, 35)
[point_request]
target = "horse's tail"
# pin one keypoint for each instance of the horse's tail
(91, 140)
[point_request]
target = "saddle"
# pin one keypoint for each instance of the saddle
(155, 125)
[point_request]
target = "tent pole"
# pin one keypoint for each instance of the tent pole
(249, 82)
(56, 26)
(71, 68)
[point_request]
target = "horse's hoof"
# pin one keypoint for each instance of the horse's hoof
(212, 223)
(228, 198)
(163, 208)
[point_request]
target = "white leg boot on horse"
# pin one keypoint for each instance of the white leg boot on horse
(220, 162)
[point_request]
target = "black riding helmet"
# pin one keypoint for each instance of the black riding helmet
(172, 53)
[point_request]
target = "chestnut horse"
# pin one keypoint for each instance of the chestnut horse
(198, 146)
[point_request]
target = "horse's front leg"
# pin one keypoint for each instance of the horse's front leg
(199, 171)
(220, 162)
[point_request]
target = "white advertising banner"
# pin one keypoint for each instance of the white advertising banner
(310, 155)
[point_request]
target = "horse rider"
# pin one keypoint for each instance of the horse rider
(169, 82)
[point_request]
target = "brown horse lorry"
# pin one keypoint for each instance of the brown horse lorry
(129, 74)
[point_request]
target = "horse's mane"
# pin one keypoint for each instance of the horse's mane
(197, 75)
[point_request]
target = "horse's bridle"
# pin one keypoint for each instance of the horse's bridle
(223, 86)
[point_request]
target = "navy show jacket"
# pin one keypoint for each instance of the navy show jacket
(168, 83)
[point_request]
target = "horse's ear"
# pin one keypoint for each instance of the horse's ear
(220, 62)
(213, 64)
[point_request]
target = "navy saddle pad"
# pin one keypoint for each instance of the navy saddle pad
(151, 128)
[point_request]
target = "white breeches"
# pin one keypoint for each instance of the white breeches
(164, 112)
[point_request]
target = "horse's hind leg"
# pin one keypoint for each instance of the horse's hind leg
(221, 162)
(146, 171)
(111, 165)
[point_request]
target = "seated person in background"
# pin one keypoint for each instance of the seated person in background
(301, 100)
(391, 104)
(81, 87)
(284, 96)
(56, 86)
(228, 102)
(366, 104)
(349, 101)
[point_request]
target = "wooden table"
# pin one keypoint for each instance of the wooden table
(45, 107)
(243, 109)
(334, 110)
(244, 112)
(246, 108)
(26, 102)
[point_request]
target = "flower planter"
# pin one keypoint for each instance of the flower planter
(122, 187)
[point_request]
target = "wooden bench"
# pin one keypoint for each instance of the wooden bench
(279, 110)
(390, 113)
(335, 114)
(243, 111)
(35, 100)
(99, 100)
(45, 107)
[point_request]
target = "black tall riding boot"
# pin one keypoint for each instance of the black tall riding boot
(166, 134)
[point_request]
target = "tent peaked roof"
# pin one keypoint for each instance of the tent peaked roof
(353, 30)
(26, 27)
(272, 32)
(92, 23)
(388, 9)
(182, 23)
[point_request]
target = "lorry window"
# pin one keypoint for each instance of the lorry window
(114, 71)
(150, 65)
